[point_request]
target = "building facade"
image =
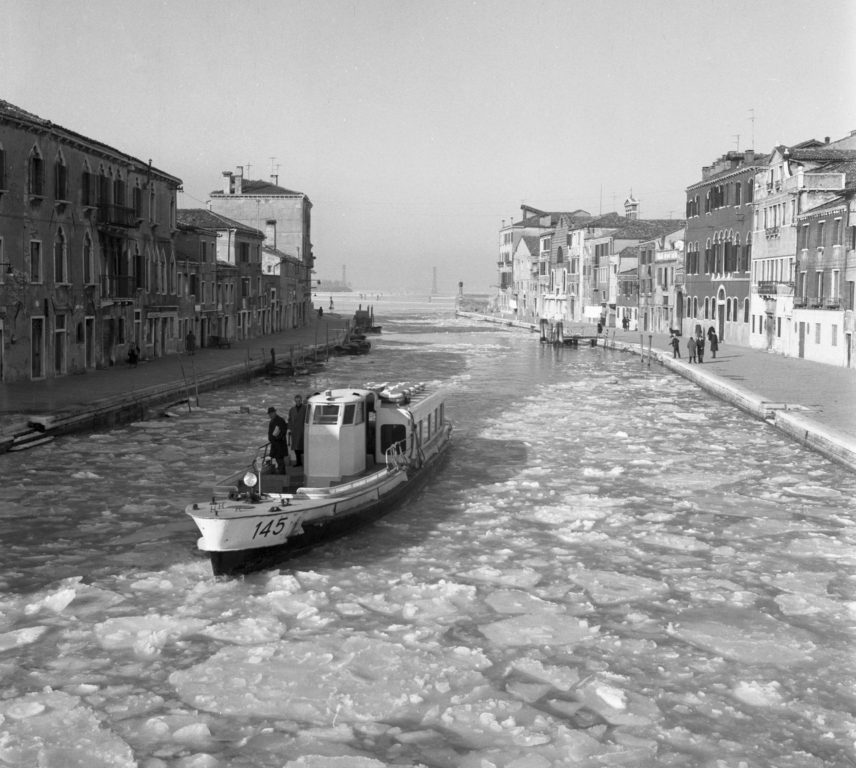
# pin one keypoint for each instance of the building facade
(718, 249)
(796, 180)
(285, 218)
(87, 264)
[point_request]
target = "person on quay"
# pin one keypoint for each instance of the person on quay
(676, 346)
(699, 348)
(277, 429)
(713, 340)
(296, 421)
(190, 342)
(691, 350)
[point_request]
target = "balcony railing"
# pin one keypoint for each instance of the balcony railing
(775, 288)
(771, 231)
(118, 286)
(116, 216)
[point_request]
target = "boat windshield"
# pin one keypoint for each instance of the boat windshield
(325, 414)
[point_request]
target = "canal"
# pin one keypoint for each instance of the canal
(612, 568)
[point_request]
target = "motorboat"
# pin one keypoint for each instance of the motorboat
(365, 450)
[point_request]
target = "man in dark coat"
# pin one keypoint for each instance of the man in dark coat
(277, 438)
(296, 420)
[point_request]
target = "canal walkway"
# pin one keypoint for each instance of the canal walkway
(31, 411)
(812, 402)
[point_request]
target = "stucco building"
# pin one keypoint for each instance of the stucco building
(87, 265)
(718, 248)
(285, 218)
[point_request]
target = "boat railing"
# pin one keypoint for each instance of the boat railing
(396, 456)
(312, 492)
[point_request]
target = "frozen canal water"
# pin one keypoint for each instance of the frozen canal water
(613, 569)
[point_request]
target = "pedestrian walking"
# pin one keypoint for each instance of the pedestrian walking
(296, 420)
(699, 348)
(676, 346)
(691, 350)
(713, 339)
(190, 343)
(277, 438)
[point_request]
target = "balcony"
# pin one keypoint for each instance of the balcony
(118, 287)
(771, 232)
(120, 216)
(775, 288)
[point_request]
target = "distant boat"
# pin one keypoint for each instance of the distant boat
(365, 450)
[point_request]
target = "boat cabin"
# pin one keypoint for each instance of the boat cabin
(349, 432)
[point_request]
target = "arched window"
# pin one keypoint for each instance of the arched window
(707, 307)
(88, 263)
(746, 310)
(60, 178)
(36, 173)
(87, 185)
(60, 258)
(695, 306)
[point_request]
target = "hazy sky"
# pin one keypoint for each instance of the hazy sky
(416, 127)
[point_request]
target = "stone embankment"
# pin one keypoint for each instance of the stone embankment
(811, 402)
(34, 412)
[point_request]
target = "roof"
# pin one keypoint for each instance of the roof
(647, 229)
(11, 112)
(819, 154)
(259, 187)
(202, 218)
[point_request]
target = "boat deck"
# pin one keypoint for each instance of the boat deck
(294, 478)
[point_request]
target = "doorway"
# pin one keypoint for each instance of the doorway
(37, 348)
(802, 340)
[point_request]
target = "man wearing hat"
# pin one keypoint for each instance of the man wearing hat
(277, 438)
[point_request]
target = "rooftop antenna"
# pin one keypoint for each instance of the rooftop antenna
(752, 120)
(248, 166)
(737, 137)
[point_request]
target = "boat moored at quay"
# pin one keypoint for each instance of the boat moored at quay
(366, 449)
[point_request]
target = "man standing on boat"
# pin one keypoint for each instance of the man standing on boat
(277, 439)
(296, 420)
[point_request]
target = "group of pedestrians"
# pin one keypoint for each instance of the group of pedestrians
(696, 345)
(283, 434)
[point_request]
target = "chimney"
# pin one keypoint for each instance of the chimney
(227, 182)
(274, 179)
(239, 180)
(826, 139)
(270, 233)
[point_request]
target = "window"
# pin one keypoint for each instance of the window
(738, 186)
(817, 333)
(88, 271)
(87, 188)
(35, 261)
(60, 179)
(779, 327)
(819, 285)
(325, 414)
(745, 310)
(820, 233)
(138, 201)
(836, 232)
(834, 339)
(836, 285)
(60, 258)
(244, 252)
(36, 175)
(2, 168)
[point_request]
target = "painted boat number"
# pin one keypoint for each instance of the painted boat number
(271, 528)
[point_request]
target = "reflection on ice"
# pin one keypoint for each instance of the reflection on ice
(613, 570)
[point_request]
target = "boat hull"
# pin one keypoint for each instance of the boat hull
(237, 562)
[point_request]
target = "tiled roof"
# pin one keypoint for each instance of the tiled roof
(16, 113)
(205, 219)
(258, 187)
(821, 154)
(647, 229)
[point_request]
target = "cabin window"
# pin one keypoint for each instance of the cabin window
(349, 413)
(429, 426)
(325, 414)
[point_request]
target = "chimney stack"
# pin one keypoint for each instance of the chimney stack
(239, 181)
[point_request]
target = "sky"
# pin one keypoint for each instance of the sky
(417, 128)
